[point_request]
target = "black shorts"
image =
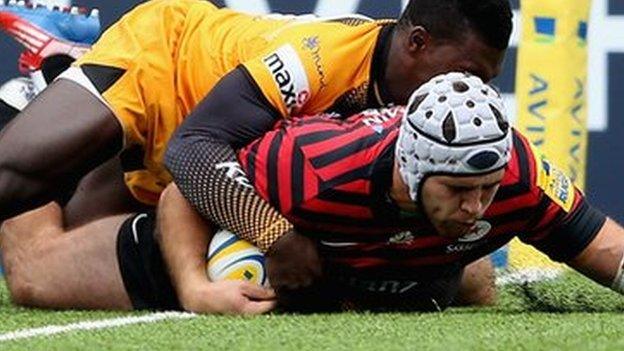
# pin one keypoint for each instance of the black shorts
(149, 287)
(142, 267)
(343, 289)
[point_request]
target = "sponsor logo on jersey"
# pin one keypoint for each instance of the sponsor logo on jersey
(461, 247)
(383, 286)
(482, 228)
(313, 46)
(375, 118)
(234, 171)
(556, 185)
(472, 240)
(289, 76)
(401, 238)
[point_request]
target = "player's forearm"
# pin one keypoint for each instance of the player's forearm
(183, 238)
(602, 258)
(210, 177)
(477, 286)
(202, 161)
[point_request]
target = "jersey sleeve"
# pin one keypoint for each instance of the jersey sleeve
(201, 158)
(564, 223)
(307, 66)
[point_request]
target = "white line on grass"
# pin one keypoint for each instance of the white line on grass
(92, 325)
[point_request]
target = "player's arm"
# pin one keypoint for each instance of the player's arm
(62, 135)
(586, 240)
(201, 157)
(183, 236)
(603, 258)
(589, 242)
(202, 160)
(564, 225)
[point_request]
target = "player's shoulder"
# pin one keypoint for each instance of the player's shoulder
(530, 172)
(527, 162)
(307, 65)
(349, 20)
(521, 166)
(519, 184)
(355, 20)
(327, 30)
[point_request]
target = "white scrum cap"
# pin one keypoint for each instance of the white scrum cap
(454, 124)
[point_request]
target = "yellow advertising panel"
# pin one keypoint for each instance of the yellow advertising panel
(551, 81)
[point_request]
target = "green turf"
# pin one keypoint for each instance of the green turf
(566, 314)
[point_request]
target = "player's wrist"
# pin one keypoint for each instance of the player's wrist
(192, 286)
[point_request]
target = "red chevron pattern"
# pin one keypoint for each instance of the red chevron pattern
(328, 177)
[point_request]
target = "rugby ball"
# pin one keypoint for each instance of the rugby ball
(230, 258)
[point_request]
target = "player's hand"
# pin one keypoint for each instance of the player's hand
(230, 297)
(293, 263)
(241, 297)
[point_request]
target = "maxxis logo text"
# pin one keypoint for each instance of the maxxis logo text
(290, 77)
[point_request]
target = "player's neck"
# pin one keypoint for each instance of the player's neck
(393, 83)
(399, 192)
(383, 72)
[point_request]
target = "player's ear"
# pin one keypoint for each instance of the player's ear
(418, 39)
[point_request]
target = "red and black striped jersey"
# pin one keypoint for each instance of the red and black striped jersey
(331, 177)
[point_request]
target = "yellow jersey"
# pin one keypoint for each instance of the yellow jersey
(171, 53)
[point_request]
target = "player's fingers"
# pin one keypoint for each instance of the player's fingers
(257, 292)
(259, 307)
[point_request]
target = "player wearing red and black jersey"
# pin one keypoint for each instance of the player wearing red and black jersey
(332, 179)
(340, 182)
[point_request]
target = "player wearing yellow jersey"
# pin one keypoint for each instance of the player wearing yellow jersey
(229, 77)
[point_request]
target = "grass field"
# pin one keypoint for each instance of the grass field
(568, 313)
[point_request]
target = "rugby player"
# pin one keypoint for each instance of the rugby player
(235, 75)
(397, 200)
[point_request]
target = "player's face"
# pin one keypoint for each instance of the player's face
(454, 204)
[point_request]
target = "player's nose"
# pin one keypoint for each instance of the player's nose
(471, 203)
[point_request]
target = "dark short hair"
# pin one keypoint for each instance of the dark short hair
(449, 19)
